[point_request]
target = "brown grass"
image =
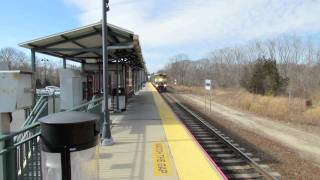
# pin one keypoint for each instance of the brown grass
(277, 108)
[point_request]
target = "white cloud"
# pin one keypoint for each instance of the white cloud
(191, 23)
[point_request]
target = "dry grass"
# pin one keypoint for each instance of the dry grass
(277, 108)
(313, 115)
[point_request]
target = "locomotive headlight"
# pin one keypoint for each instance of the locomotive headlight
(165, 85)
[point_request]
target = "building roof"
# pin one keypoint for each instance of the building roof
(84, 44)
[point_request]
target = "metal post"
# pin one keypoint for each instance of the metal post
(205, 102)
(82, 66)
(33, 60)
(34, 75)
(139, 76)
(26, 113)
(106, 132)
(54, 101)
(99, 76)
(45, 60)
(117, 84)
(64, 63)
(124, 67)
(210, 100)
(137, 79)
(133, 81)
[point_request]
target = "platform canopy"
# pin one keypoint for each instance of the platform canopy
(84, 45)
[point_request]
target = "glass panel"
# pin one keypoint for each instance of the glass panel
(51, 166)
(85, 164)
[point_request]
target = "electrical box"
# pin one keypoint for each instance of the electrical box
(15, 90)
(71, 88)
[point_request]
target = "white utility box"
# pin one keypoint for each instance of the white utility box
(71, 90)
(15, 90)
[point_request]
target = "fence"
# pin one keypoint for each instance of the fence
(20, 155)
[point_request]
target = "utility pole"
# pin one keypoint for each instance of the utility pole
(45, 60)
(106, 132)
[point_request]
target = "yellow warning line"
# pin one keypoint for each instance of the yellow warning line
(160, 160)
(191, 163)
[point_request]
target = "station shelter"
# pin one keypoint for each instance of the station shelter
(126, 67)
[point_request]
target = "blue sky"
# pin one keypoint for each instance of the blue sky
(166, 27)
(25, 20)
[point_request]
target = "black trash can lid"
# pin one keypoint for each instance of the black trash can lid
(68, 118)
(68, 130)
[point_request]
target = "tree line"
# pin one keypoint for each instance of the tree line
(291, 65)
(46, 72)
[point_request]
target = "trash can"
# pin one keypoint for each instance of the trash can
(122, 99)
(69, 146)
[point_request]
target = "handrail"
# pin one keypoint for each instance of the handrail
(34, 110)
(85, 104)
(11, 135)
(19, 143)
(22, 147)
(38, 109)
(38, 114)
(92, 104)
(6, 137)
(33, 123)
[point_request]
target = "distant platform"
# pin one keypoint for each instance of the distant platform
(151, 144)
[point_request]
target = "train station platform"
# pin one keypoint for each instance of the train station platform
(152, 144)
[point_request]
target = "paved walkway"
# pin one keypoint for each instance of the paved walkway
(152, 144)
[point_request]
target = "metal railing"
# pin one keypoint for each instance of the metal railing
(20, 150)
(21, 158)
(39, 107)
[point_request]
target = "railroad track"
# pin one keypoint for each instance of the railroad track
(229, 156)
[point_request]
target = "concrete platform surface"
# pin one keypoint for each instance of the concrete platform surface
(147, 147)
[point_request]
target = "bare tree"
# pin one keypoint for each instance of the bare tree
(18, 60)
(297, 59)
(13, 57)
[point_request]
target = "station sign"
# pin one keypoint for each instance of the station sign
(207, 85)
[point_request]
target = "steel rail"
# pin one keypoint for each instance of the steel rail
(236, 150)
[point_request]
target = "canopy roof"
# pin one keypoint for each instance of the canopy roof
(84, 44)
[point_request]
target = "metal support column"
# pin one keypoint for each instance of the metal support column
(34, 75)
(140, 84)
(82, 66)
(99, 76)
(133, 81)
(126, 84)
(117, 84)
(64, 63)
(106, 132)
